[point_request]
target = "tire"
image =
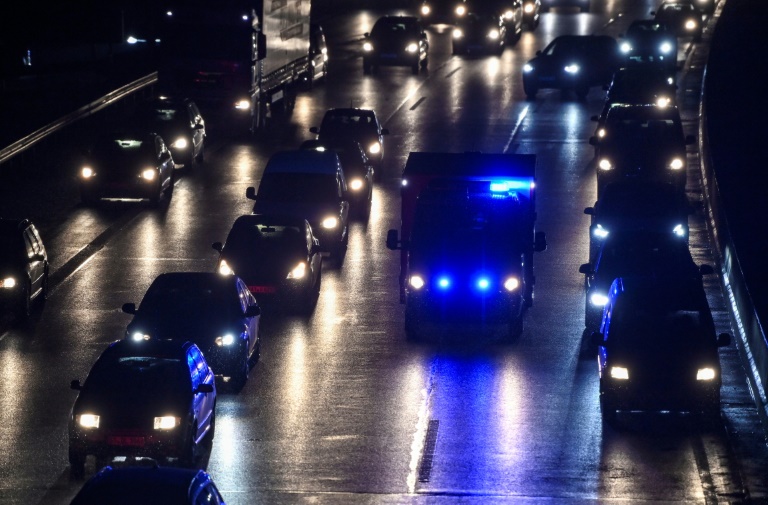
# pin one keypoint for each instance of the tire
(424, 63)
(45, 287)
(200, 158)
(607, 411)
(24, 310)
(582, 92)
(187, 456)
(87, 199)
(412, 333)
(76, 464)
(208, 440)
(366, 67)
(241, 375)
(415, 68)
(530, 90)
(515, 329)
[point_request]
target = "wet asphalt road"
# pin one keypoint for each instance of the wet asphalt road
(340, 408)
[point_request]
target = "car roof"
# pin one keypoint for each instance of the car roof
(11, 226)
(643, 111)
(147, 348)
(193, 279)
(304, 162)
(655, 190)
(350, 111)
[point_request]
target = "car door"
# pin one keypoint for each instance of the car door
(201, 402)
(197, 133)
(35, 258)
(164, 162)
(248, 300)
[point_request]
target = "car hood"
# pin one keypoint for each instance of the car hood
(200, 330)
(312, 212)
(133, 406)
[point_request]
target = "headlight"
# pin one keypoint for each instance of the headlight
(8, 283)
(604, 164)
(572, 68)
(601, 132)
(676, 164)
(356, 184)
(87, 172)
(528, 8)
(665, 47)
(663, 101)
(511, 284)
(625, 47)
(167, 422)
(690, 24)
(619, 372)
(425, 10)
(225, 340)
(243, 105)
(140, 336)
(598, 299)
(493, 34)
(416, 282)
(149, 174)
(509, 15)
(705, 374)
(527, 68)
(374, 148)
(330, 222)
(461, 10)
(600, 232)
(298, 272)
(367, 47)
(88, 420)
(457, 33)
(679, 230)
(412, 47)
(180, 143)
(225, 269)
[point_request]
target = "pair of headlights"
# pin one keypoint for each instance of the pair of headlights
(411, 48)
(92, 421)
(601, 233)
(493, 34)
(297, 272)
(674, 164)
(702, 374)
(148, 174)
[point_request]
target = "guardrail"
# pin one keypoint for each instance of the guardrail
(113, 96)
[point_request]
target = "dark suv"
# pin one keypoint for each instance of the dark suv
(23, 266)
(396, 41)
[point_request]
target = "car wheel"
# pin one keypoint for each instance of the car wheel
(208, 439)
(412, 333)
(366, 67)
(87, 198)
(241, 375)
(515, 329)
(200, 158)
(530, 91)
(415, 68)
(24, 310)
(582, 92)
(76, 464)
(424, 62)
(608, 411)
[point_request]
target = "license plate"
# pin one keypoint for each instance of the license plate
(262, 289)
(126, 441)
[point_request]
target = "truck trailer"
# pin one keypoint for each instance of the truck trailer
(247, 57)
(466, 241)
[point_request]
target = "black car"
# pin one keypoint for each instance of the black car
(572, 62)
(648, 40)
(396, 41)
(318, 53)
(640, 83)
(149, 485)
(353, 123)
(531, 13)
(218, 313)
(358, 171)
(657, 349)
(634, 253)
(479, 31)
(581, 5)
(179, 122)
(23, 267)
(641, 142)
(148, 398)
(643, 206)
(681, 16)
(278, 257)
(127, 165)
(441, 11)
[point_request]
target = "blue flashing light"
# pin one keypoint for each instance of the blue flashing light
(483, 283)
(444, 283)
(511, 185)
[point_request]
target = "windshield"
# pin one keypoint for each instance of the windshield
(395, 29)
(185, 300)
(642, 325)
(298, 188)
(113, 377)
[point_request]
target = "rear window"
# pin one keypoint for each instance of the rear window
(298, 188)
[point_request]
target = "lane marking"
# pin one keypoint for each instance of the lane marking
(420, 100)
(516, 128)
(420, 434)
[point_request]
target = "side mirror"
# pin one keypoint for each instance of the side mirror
(596, 339)
(218, 246)
(315, 248)
(204, 388)
(724, 340)
(199, 126)
(392, 240)
(585, 269)
(314, 130)
(593, 141)
(37, 257)
(253, 311)
(384, 131)
(590, 211)
(690, 139)
(250, 193)
(594, 118)
(75, 384)
(539, 241)
(129, 308)
(706, 270)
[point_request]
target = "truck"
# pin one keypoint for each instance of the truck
(247, 56)
(466, 241)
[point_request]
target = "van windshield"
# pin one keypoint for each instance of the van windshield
(298, 188)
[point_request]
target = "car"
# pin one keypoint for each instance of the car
(682, 17)
(318, 54)
(634, 253)
(441, 11)
(640, 83)
(24, 267)
(357, 124)
(572, 62)
(179, 122)
(278, 257)
(511, 12)
(531, 13)
(482, 31)
(641, 142)
(149, 398)
(308, 185)
(641, 206)
(127, 165)
(658, 349)
(706, 6)
(649, 40)
(582, 5)
(396, 41)
(149, 485)
(218, 313)
(358, 171)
